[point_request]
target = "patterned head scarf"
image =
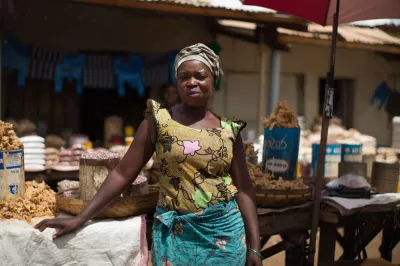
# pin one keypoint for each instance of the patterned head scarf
(201, 53)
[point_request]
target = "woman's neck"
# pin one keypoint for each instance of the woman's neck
(195, 112)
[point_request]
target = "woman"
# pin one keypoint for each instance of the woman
(170, 95)
(206, 211)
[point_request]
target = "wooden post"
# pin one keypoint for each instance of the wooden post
(327, 115)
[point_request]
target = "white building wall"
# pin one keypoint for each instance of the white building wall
(241, 63)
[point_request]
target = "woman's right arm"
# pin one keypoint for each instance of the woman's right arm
(139, 153)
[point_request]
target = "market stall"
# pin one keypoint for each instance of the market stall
(349, 201)
(25, 203)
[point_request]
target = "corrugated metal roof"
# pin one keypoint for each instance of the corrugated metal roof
(378, 22)
(350, 34)
(234, 5)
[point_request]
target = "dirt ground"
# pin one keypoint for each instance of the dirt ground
(279, 259)
(372, 251)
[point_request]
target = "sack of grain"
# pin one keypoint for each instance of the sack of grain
(94, 168)
(12, 175)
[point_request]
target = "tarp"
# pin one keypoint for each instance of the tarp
(100, 243)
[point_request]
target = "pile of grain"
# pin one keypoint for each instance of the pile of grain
(282, 117)
(39, 201)
(54, 141)
(265, 181)
(249, 148)
(71, 157)
(100, 155)
(8, 139)
(52, 157)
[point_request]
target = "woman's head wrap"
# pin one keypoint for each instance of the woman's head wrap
(201, 53)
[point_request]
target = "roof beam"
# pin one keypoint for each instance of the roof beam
(185, 9)
(341, 44)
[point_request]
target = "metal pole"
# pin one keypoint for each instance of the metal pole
(274, 80)
(263, 85)
(1, 77)
(327, 115)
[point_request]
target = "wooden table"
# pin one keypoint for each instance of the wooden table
(293, 226)
(370, 262)
(51, 177)
(390, 236)
(359, 230)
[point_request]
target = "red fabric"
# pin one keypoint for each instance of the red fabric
(312, 10)
(321, 11)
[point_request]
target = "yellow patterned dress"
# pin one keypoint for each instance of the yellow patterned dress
(196, 210)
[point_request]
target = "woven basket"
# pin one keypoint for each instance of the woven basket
(273, 198)
(385, 177)
(120, 207)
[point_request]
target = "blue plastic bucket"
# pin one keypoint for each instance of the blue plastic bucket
(352, 153)
(281, 151)
(332, 159)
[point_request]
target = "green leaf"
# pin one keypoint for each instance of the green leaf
(227, 180)
(201, 198)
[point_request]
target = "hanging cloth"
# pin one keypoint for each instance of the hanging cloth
(128, 70)
(70, 68)
(15, 57)
(381, 95)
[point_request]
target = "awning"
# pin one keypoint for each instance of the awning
(232, 9)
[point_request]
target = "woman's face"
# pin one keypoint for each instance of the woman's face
(195, 83)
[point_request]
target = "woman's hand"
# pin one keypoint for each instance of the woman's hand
(63, 225)
(253, 259)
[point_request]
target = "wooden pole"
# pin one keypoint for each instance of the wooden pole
(327, 115)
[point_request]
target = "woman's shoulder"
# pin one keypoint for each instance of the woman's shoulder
(154, 108)
(152, 105)
(233, 123)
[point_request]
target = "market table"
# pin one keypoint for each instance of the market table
(52, 176)
(292, 223)
(361, 225)
(99, 242)
(390, 236)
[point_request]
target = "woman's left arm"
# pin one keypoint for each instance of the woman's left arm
(246, 194)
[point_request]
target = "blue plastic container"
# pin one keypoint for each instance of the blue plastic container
(281, 151)
(332, 159)
(352, 153)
